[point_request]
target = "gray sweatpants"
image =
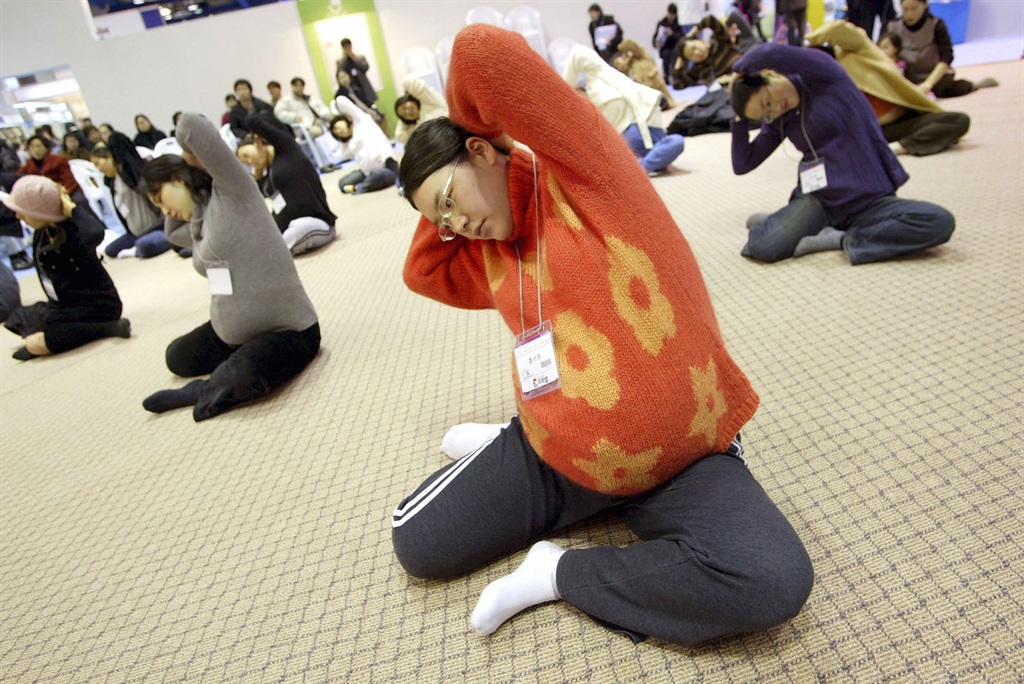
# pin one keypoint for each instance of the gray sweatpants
(716, 556)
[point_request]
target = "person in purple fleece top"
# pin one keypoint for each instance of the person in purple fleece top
(846, 195)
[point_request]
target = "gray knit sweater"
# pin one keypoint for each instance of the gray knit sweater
(233, 225)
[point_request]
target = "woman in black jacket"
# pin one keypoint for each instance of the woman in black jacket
(82, 303)
(286, 177)
(147, 135)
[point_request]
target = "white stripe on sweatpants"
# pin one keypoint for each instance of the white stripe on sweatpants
(417, 503)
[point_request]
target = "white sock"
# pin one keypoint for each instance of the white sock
(464, 439)
(897, 148)
(532, 583)
(128, 253)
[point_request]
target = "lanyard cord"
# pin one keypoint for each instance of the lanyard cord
(536, 215)
(804, 131)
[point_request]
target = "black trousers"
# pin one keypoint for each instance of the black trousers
(795, 23)
(924, 133)
(240, 373)
(951, 86)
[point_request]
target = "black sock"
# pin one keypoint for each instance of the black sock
(121, 328)
(165, 400)
(23, 354)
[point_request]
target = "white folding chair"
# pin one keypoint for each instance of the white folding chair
(526, 22)
(485, 15)
(166, 146)
(228, 137)
(309, 146)
(90, 179)
(416, 58)
(444, 56)
(558, 52)
(422, 63)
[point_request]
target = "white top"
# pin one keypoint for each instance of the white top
(290, 109)
(621, 100)
(432, 105)
(368, 145)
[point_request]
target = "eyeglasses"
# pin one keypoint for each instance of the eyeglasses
(446, 207)
(766, 107)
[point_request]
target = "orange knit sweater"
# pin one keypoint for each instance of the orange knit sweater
(647, 384)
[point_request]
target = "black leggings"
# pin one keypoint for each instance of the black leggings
(60, 332)
(240, 373)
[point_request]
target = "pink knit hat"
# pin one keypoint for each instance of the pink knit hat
(37, 197)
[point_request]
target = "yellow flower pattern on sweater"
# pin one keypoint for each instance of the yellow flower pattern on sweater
(615, 470)
(638, 297)
(648, 386)
(585, 360)
(710, 400)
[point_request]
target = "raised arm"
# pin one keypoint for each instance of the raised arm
(427, 96)
(708, 21)
(347, 106)
(841, 34)
(748, 154)
(452, 273)
(600, 79)
(198, 136)
(814, 67)
(89, 229)
(271, 132)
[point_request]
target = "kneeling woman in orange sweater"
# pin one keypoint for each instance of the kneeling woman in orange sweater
(628, 400)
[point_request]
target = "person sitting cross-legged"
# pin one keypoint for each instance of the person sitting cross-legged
(362, 140)
(298, 200)
(846, 197)
(628, 400)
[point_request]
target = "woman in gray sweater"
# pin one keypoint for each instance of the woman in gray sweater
(263, 330)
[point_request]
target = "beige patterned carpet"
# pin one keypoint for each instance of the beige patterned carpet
(255, 547)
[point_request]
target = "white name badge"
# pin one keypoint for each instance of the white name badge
(123, 208)
(535, 361)
(812, 177)
(219, 277)
(278, 203)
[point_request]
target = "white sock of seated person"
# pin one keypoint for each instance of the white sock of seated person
(532, 583)
(464, 439)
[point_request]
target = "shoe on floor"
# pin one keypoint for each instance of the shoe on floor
(21, 261)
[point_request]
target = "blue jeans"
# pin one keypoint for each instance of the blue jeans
(886, 228)
(378, 179)
(666, 147)
(149, 245)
